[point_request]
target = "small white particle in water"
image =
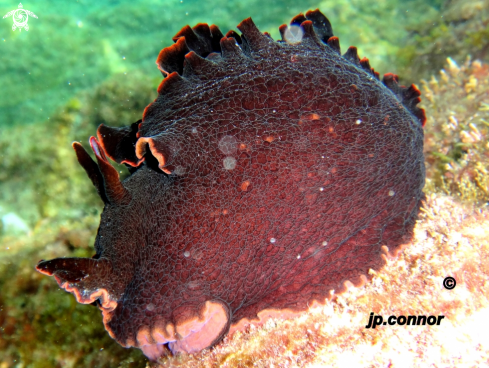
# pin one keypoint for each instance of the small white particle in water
(324, 243)
(186, 253)
(321, 189)
(391, 193)
(358, 122)
(194, 130)
(150, 307)
(299, 256)
(322, 156)
(273, 240)
(229, 163)
(274, 111)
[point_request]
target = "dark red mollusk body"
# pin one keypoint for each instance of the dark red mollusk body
(264, 176)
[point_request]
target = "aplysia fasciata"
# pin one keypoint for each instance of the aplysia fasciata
(266, 175)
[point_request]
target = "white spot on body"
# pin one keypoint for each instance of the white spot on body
(228, 145)
(324, 243)
(229, 163)
(391, 193)
(150, 307)
(273, 240)
(358, 122)
(179, 170)
(186, 253)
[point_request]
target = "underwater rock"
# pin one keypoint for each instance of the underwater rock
(265, 176)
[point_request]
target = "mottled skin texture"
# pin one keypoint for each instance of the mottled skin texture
(290, 167)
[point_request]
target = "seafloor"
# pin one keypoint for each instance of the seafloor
(49, 209)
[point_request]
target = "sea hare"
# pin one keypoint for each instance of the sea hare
(265, 176)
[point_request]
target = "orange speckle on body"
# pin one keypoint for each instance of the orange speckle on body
(245, 185)
(312, 116)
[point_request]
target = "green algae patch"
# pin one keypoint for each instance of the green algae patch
(457, 131)
(460, 28)
(41, 326)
